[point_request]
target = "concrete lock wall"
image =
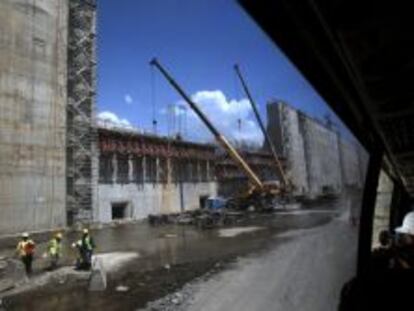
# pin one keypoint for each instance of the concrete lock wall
(321, 156)
(33, 49)
(148, 198)
(319, 160)
(293, 147)
(352, 174)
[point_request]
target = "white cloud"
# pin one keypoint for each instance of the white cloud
(128, 99)
(109, 119)
(224, 113)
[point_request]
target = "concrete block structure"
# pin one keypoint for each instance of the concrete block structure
(322, 156)
(145, 174)
(33, 97)
(318, 159)
(284, 130)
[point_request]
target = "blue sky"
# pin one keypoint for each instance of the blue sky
(199, 42)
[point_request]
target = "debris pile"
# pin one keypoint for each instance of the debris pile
(200, 218)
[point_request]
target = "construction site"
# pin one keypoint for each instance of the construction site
(175, 221)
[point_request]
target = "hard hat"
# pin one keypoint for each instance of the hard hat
(58, 235)
(85, 231)
(25, 235)
(408, 224)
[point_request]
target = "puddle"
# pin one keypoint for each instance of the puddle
(186, 251)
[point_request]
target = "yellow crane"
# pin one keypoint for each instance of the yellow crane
(259, 190)
(286, 184)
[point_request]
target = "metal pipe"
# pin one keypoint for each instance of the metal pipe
(220, 138)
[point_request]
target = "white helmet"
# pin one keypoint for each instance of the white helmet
(408, 224)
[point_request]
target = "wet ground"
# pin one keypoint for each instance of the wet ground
(169, 257)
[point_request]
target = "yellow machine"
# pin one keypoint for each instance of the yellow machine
(260, 194)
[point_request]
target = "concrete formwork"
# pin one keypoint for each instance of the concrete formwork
(148, 198)
(33, 49)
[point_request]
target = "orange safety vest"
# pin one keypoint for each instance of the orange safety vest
(25, 247)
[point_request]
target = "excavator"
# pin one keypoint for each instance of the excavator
(260, 195)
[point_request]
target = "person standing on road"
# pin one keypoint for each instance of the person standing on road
(25, 250)
(85, 247)
(54, 250)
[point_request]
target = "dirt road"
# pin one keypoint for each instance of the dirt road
(274, 266)
(304, 274)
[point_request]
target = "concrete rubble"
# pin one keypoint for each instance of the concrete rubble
(11, 273)
(13, 279)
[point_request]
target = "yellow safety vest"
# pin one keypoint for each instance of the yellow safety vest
(54, 247)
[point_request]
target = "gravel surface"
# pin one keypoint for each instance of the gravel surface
(306, 273)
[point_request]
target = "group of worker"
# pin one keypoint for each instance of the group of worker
(85, 247)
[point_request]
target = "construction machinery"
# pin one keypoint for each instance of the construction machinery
(286, 184)
(260, 195)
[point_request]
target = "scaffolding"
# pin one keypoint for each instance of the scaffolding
(81, 133)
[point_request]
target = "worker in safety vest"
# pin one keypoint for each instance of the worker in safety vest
(85, 247)
(54, 250)
(25, 250)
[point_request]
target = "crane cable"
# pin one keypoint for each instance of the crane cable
(239, 139)
(153, 101)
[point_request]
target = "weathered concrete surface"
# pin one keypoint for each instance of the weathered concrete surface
(104, 264)
(283, 127)
(319, 159)
(33, 53)
(382, 207)
(12, 272)
(151, 198)
(59, 277)
(322, 156)
(98, 280)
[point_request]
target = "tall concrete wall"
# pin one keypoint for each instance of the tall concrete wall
(283, 126)
(353, 173)
(322, 157)
(318, 159)
(33, 76)
(149, 198)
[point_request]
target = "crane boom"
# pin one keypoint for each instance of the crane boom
(262, 127)
(220, 138)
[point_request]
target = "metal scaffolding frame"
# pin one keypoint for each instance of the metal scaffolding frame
(81, 133)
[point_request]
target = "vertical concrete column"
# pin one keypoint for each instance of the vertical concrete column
(169, 170)
(115, 166)
(144, 169)
(130, 168)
